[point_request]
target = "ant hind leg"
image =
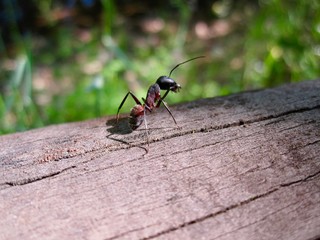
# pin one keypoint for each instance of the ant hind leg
(146, 126)
(123, 101)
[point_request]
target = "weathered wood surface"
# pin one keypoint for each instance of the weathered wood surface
(245, 166)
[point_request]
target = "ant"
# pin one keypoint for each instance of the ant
(153, 100)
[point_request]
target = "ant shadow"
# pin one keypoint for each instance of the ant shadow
(123, 128)
(120, 128)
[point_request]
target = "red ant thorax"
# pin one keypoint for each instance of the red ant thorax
(153, 96)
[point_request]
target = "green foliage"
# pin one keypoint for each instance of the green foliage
(91, 69)
(282, 44)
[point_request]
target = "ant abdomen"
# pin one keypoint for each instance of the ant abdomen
(136, 116)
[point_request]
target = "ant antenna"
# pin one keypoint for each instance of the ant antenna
(184, 63)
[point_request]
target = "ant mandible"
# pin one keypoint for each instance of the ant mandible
(153, 100)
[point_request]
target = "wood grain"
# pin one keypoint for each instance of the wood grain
(244, 166)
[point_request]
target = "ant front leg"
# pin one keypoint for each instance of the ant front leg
(162, 100)
(166, 106)
(124, 99)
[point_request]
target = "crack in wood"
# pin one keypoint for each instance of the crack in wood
(241, 122)
(233, 206)
(260, 119)
(131, 231)
(253, 223)
(35, 179)
(309, 177)
(314, 238)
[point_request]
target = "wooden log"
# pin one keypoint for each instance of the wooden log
(245, 166)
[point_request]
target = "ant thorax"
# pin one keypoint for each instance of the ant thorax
(153, 96)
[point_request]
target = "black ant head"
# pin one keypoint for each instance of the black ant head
(166, 83)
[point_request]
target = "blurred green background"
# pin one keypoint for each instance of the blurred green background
(71, 60)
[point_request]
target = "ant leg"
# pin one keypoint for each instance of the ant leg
(124, 99)
(166, 106)
(161, 99)
(164, 96)
(145, 123)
